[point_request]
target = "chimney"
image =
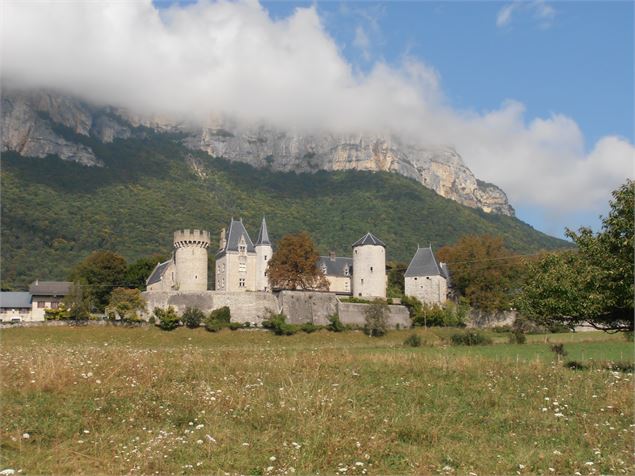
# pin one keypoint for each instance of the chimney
(223, 239)
(332, 255)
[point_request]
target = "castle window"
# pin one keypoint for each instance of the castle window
(362, 280)
(371, 269)
(241, 282)
(242, 248)
(265, 257)
(40, 304)
(242, 267)
(346, 271)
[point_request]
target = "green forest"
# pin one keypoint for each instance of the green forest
(54, 212)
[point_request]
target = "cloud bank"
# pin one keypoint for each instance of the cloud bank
(233, 58)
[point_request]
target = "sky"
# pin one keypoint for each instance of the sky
(536, 96)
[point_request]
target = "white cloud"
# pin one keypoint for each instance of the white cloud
(541, 11)
(232, 58)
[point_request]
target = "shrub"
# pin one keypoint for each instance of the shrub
(234, 326)
(335, 325)
(152, 320)
(214, 326)
(376, 317)
(629, 336)
(413, 305)
(222, 314)
(437, 315)
(575, 365)
(277, 323)
(470, 337)
(517, 337)
(309, 327)
(559, 350)
(192, 317)
(501, 329)
(167, 319)
(412, 340)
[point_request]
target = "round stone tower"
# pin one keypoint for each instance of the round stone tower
(190, 258)
(369, 267)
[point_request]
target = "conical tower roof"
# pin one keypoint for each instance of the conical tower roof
(263, 234)
(369, 239)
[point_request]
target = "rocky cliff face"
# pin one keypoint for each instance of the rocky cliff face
(29, 121)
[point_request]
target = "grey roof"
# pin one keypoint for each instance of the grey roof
(263, 234)
(424, 263)
(236, 231)
(369, 239)
(50, 288)
(336, 266)
(15, 300)
(158, 272)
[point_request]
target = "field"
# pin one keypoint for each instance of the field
(113, 400)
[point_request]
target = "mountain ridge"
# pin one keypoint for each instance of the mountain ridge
(29, 119)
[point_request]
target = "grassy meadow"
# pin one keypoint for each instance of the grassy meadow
(110, 400)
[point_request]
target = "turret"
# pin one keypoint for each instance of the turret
(369, 267)
(190, 257)
(263, 255)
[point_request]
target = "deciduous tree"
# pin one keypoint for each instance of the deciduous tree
(483, 271)
(99, 273)
(294, 265)
(593, 285)
(125, 304)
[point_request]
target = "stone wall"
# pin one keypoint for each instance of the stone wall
(483, 319)
(427, 289)
(353, 314)
(245, 306)
(301, 307)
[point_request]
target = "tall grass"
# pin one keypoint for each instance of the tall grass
(145, 401)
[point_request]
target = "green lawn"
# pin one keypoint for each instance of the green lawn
(116, 400)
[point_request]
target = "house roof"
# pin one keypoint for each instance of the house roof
(15, 300)
(336, 266)
(233, 236)
(263, 234)
(158, 272)
(50, 288)
(369, 239)
(424, 263)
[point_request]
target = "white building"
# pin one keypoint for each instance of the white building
(32, 305)
(426, 279)
(369, 267)
(338, 271)
(241, 265)
(186, 270)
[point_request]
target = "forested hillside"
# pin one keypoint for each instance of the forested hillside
(55, 212)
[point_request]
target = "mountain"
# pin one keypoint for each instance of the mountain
(75, 178)
(31, 120)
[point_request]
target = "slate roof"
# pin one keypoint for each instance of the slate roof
(236, 230)
(158, 272)
(15, 300)
(369, 239)
(336, 266)
(424, 263)
(263, 234)
(50, 288)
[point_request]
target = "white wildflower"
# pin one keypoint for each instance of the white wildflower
(272, 458)
(26, 436)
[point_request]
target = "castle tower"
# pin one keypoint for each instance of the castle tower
(263, 255)
(369, 267)
(190, 257)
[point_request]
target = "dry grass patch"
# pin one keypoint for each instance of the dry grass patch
(274, 408)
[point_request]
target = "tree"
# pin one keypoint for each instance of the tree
(76, 303)
(483, 271)
(138, 272)
(294, 265)
(376, 315)
(125, 304)
(99, 273)
(395, 278)
(593, 285)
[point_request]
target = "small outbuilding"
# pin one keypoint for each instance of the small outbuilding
(426, 278)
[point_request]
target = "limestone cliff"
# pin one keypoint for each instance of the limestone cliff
(30, 120)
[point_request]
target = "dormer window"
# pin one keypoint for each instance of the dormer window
(242, 248)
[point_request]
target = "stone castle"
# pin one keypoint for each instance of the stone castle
(241, 280)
